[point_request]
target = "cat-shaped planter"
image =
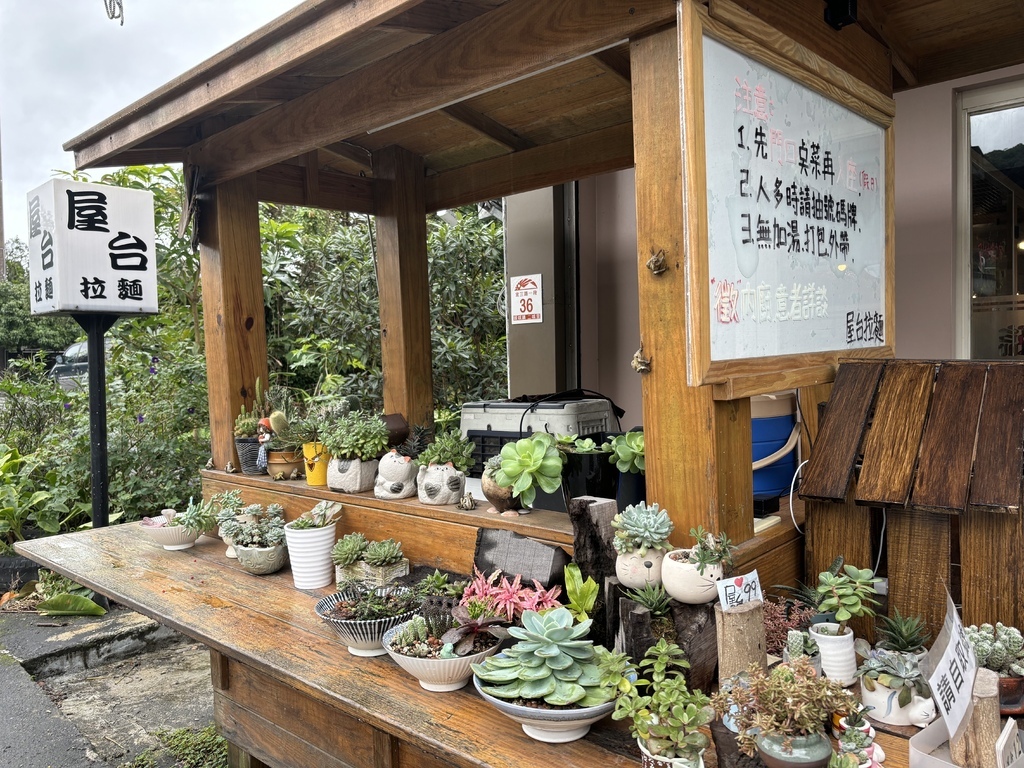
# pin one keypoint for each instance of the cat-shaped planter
(351, 475)
(396, 477)
(440, 484)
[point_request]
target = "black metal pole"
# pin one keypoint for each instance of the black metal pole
(95, 327)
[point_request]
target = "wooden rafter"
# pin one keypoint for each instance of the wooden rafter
(353, 153)
(485, 126)
(238, 69)
(520, 38)
(286, 184)
(433, 17)
(615, 61)
(877, 24)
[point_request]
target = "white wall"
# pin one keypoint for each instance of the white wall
(926, 214)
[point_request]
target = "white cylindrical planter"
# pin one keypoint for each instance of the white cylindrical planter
(309, 550)
(685, 583)
(634, 570)
(838, 659)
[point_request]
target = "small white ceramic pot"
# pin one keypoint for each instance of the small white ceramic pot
(886, 707)
(838, 658)
(634, 570)
(685, 583)
(309, 550)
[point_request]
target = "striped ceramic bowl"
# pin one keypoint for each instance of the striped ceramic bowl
(363, 638)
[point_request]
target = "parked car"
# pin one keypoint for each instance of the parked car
(72, 365)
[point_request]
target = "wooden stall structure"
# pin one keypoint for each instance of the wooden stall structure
(936, 448)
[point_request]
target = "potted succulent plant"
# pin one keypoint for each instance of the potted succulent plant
(905, 634)
(1000, 648)
(640, 541)
(310, 538)
(664, 715)
(383, 562)
(586, 471)
(780, 714)
(893, 686)
(503, 499)
(360, 615)
(347, 556)
(441, 478)
(284, 451)
(800, 643)
(258, 542)
(690, 575)
(848, 594)
(180, 530)
(438, 646)
(309, 432)
(627, 454)
(354, 442)
(247, 432)
(553, 663)
(529, 464)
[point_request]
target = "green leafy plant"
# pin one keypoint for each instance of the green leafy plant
(843, 760)
(196, 518)
(530, 463)
(895, 670)
(653, 597)
(790, 700)
(553, 661)
(320, 516)
(582, 594)
(848, 594)
(19, 503)
(265, 529)
(383, 553)
(440, 585)
(575, 444)
(627, 452)
(661, 709)
(448, 447)
(357, 435)
(804, 594)
(710, 549)
(247, 421)
(365, 604)
(640, 527)
(999, 648)
(349, 549)
(800, 643)
(907, 634)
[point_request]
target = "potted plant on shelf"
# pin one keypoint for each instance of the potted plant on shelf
(528, 464)
(894, 688)
(396, 476)
(258, 542)
(284, 450)
(309, 432)
(586, 471)
(441, 478)
(383, 562)
(627, 454)
(690, 575)
(780, 714)
(361, 615)
(439, 646)
(640, 541)
(180, 530)
(848, 595)
(552, 664)
(354, 442)
(655, 599)
(247, 433)
(347, 556)
(503, 499)
(664, 715)
(1000, 648)
(904, 634)
(800, 643)
(310, 538)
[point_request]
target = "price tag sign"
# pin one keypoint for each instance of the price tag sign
(952, 681)
(1008, 747)
(737, 590)
(526, 302)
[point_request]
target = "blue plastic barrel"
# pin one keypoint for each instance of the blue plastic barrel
(772, 421)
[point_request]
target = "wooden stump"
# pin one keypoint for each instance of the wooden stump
(729, 755)
(592, 535)
(740, 638)
(976, 747)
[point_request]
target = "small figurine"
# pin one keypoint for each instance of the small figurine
(294, 475)
(467, 503)
(210, 464)
(230, 468)
(279, 476)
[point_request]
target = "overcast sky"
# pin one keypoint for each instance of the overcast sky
(64, 67)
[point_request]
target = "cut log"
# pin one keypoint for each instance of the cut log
(976, 746)
(740, 638)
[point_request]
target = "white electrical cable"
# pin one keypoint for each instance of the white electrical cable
(792, 485)
(881, 542)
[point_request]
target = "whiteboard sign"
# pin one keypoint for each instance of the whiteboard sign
(527, 299)
(737, 590)
(92, 248)
(796, 214)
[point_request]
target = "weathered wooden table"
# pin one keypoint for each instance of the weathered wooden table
(286, 692)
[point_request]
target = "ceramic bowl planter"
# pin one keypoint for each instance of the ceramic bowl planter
(262, 560)
(351, 475)
(552, 726)
(437, 674)
(810, 751)
(634, 571)
(647, 760)
(317, 459)
(885, 707)
(838, 658)
(173, 537)
(362, 638)
(685, 583)
(284, 463)
(310, 554)
(439, 484)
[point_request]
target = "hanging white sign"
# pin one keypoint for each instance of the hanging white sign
(92, 249)
(952, 681)
(527, 299)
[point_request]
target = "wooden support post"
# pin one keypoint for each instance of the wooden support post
(236, 337)
(402, 283)
(700, 450)
(976, 748)
(740, 638)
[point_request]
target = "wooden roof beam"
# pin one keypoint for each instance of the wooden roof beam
(292, 39)
(971, 59)
(487, 127)
(616, 62)
(351, 152)
(436, 16)
(876, 23)
(512, 42)
(604, 151)
(288, 184)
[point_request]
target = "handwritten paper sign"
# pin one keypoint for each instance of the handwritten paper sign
(527, 299)
(1008, 746)
(796, 214)
(92, 248)
(737, 590)
(952, 681)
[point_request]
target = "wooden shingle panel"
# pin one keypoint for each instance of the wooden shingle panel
(835, 453)
(999, 462)
(890, 446)
(947, 444)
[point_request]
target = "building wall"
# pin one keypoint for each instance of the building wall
(926, 214)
